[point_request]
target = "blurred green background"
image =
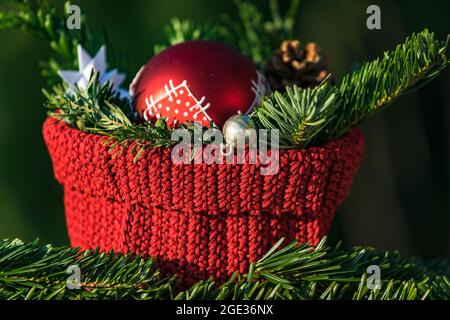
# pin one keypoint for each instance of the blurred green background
(401, 195)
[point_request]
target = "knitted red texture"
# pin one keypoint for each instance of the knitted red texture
(198, 220)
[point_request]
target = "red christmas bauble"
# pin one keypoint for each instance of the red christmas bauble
(199, 81)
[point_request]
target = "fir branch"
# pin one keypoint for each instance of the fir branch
(377, 84)
(179, 31)
(299, 114)
(417, 61)
(32, 271)
(255, 35)
(97, 110)
(282, 26)
(42, 20)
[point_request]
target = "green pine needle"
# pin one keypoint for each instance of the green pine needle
(256, 35)
(377, 84)
(313, 116)
(42, 20)
(179, 31)
(300, 114)
(35, 272)
(98, 110)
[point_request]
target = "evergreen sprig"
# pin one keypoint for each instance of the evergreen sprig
(300, 114)
(179, 31)
(361, 93)
(98, 110)
(378, 83)
(42, 20)
(33, 271)
(258, 36)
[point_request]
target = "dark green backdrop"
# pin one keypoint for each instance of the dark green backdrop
(401, 196)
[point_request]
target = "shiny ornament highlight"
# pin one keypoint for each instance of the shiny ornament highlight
(239, 130)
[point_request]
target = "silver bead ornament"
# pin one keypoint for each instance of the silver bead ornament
(239, 130)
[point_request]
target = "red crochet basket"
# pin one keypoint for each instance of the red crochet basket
(198, 220)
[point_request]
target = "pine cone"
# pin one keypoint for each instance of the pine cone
(292, 65)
